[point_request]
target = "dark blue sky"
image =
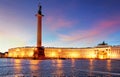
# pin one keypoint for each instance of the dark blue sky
(67, 23)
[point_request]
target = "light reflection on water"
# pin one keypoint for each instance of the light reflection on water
(91, 67)
(17, 64)
(109, 65)
(59, 68)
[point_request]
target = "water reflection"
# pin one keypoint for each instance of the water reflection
(109, 65)
(34, 67)
(60, 68)
(91, 66)
(73, 63)
(59, 64)
(17, 67)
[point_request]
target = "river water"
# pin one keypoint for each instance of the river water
(59, 68)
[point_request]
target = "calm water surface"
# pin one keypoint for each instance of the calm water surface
(59, 68)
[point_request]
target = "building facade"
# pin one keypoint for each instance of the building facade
(99, 52)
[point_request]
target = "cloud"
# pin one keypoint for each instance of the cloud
(100, 31)
(58, 23)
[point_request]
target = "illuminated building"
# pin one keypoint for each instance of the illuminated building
(102, 51)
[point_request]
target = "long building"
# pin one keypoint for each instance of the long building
(102, 51)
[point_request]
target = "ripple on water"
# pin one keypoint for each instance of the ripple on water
(59, 68)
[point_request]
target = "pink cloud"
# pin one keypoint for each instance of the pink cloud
(58, 23)
(108, 24)
(100, 30)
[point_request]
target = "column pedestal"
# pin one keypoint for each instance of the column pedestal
(39, 53)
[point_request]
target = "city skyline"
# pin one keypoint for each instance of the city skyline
(67, 23)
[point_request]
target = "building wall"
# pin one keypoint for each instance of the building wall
(101, 52)
(70, 52)
(115, 52)
(22, 52)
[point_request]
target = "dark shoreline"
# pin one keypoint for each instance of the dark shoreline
(62, 59)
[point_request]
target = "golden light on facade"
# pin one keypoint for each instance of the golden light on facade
(73, 55)
(22, 54)
(101, 57)
(53, 54)
(114, 55)
(31, 53)
(59, 50)
(92, 55)
(109, 55)
(100, 53)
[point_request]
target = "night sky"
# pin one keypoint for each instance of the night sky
(66, 23)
